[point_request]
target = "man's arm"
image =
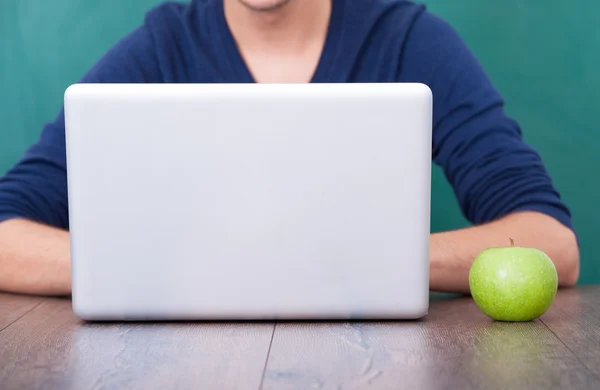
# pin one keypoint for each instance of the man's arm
(500, 182)
(453, 252)
(34, 220)
(34, 258)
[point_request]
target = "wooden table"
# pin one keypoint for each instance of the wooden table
(43, 346)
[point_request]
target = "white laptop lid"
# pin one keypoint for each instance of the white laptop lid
(251, 201)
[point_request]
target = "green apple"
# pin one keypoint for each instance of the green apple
(513, 283)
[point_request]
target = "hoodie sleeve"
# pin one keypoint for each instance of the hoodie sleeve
(35, 188)
(492, 170)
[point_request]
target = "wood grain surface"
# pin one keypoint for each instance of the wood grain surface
(574, 318)
(50, 349)
(455, 347)
(13, 307)
(43, 346)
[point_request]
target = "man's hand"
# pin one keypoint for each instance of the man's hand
(453, 252)
(34, 258)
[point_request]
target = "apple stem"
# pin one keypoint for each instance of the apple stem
(512, 242)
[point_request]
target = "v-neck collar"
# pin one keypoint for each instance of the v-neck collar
(238, 69)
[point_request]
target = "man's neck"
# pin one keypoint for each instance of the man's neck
(292, 27)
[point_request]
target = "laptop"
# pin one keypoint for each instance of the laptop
(249, 201)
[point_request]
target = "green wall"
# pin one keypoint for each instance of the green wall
(544, 56)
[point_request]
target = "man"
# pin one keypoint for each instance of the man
(501, 184)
